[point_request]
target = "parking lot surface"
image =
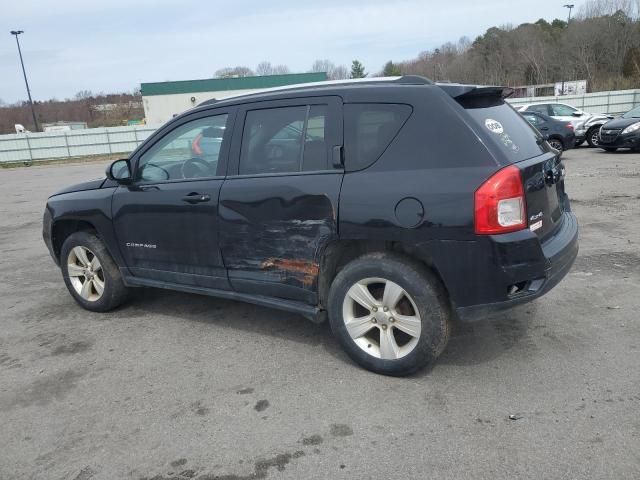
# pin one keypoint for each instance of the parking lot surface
(183, 386)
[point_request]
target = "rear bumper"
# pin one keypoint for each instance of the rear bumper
(502, 271)
(570, 141)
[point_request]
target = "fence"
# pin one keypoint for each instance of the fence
(29, 147)
(614, 103)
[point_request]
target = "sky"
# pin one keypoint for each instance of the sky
(113, 45)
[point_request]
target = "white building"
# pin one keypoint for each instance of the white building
(164, 100)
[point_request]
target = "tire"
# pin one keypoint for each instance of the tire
(422, 305)
(96, 286)
(556, 143)
(609, 149)
(592, 136)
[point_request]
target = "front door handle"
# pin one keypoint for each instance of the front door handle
(544, 128)
(195, 197)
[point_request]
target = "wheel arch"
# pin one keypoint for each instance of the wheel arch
(339, 253)
(63, 228)
(555, 136)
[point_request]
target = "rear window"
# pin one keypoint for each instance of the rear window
(511, 133)
(369, 128)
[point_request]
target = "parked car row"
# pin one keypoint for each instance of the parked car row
(564, 126)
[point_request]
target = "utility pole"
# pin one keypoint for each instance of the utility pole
(33, 111)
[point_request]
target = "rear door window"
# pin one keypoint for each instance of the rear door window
(285, 140)
(539, 109)
(560, 110)
(369, 128)
(511, 133)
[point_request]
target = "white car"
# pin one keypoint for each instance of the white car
(562, 111)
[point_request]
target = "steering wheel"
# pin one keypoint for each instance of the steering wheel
(195, 167)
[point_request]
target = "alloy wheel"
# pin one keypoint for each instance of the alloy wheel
(556, 144)
(381, 318)
(594, 137)
(85, 273)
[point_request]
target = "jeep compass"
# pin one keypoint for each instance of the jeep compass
(390, 207)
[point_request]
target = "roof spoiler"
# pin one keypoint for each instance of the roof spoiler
(460, 91)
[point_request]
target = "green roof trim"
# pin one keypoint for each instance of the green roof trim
(236, 83)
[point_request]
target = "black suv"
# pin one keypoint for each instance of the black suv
(392, 207)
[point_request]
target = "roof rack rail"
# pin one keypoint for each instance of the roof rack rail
(403, 80)
(207, 102)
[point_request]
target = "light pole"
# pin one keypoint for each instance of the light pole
(33, 111)
(569, 6)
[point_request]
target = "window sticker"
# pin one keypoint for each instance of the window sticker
(494, 126)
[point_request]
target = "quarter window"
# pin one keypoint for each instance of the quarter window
(284, 140)
(190, 151)
(369, 129)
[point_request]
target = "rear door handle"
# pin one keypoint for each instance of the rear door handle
(544, 128)
(195, 197)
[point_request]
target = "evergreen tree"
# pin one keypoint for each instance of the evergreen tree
(391, 70)
(357, 70)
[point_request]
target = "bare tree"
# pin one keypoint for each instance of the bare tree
(281, 70)
(339, 72)
(230, 72)
(83, 95)
(264, 68)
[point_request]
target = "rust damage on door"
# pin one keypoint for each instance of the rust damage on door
(306, 272)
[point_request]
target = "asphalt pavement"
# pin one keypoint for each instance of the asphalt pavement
(181, 386)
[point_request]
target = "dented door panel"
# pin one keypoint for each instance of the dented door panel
(274, 230)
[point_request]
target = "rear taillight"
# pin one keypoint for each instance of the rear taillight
(569, 126)
(499, 203)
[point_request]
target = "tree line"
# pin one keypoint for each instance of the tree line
(98, 110)
(601, 45)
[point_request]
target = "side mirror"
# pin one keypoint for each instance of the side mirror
(578, 113)
(120, 171)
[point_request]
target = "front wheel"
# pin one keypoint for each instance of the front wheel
(389, 314)
(592, 136)
(90, 274)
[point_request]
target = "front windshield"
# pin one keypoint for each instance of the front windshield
(634, 113)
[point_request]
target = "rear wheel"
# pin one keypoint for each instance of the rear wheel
(389, 314)
(556, 143)
(592, 136)
(90, 274)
